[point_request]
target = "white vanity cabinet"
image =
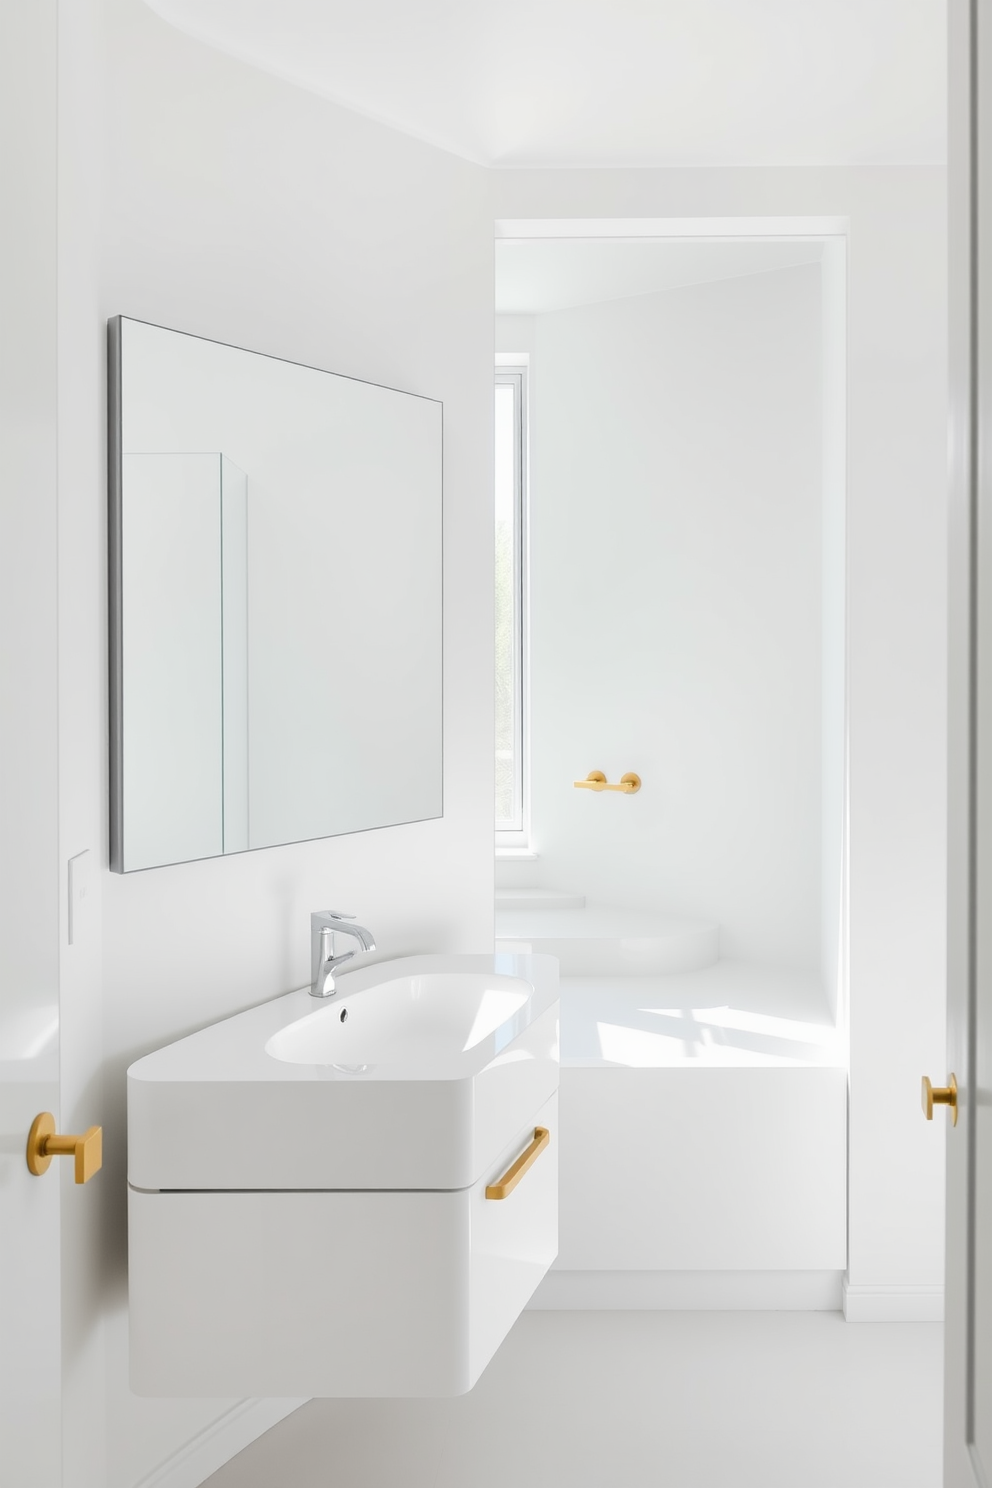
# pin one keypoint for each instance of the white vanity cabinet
(337, 1293)
(313, 1282)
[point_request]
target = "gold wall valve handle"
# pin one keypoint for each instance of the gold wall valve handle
(504, 1186)
(940, 1095)
(44, 1143)
(596, 781)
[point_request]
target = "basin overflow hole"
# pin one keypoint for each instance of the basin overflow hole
(344, 1015)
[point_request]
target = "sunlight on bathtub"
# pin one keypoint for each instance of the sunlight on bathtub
(747, 1022)
(715, 1036)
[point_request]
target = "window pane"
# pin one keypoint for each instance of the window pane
(508, 806)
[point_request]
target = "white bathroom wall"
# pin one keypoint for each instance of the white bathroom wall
(675, 605)
(201, 194)
(896, 595)
(198, 193)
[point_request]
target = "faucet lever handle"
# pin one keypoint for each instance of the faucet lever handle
(335, 914)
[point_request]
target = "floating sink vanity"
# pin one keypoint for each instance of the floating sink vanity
(348, 1197)
(343, 1194)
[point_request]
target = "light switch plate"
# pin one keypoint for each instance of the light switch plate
(80, 891)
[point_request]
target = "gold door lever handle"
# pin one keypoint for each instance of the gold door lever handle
(504, 1186)
(940, 1095)
(44, 1143)
(596, 781)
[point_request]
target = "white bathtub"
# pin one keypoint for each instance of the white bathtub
(703, 1119)
(703, 1151)
(729, 1015)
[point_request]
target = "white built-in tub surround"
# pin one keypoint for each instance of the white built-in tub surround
(347, 1196)
(703, 1114)
(603, 940)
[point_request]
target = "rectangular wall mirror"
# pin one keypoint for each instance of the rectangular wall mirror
(275, 596)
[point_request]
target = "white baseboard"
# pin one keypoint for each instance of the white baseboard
(892, 1304)
(217, 1443)
(689, 1291)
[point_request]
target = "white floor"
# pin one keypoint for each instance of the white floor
(642, 1400)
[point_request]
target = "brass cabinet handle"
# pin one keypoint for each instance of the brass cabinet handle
(596, 781)
(940, 1095)
(44, 1144)
(505, 1185)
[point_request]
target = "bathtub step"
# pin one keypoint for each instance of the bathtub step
(511, 901)
(604, 941)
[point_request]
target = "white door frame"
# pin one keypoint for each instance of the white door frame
(967, 275)
(30, 1243)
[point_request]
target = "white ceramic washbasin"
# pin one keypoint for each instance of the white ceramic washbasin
(416, 1074)
(431, 1020)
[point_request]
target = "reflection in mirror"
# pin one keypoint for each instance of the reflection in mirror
(276, 601)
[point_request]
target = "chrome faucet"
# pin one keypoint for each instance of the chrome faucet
(325, 926)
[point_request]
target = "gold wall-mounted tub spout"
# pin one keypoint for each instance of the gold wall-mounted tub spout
(597, 781)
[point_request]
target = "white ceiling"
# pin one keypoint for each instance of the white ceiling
(555, 274)
(612, 82)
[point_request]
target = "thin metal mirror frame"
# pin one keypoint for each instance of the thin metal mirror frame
(115, 606)
(115, 592)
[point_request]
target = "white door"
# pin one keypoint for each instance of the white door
(968, 1341)
(30, 1355)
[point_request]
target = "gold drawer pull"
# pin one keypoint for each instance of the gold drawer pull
(597, 781)
(516, 1171)
(940, 1095)
(44, 1144)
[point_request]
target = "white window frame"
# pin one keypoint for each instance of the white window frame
(516, 841)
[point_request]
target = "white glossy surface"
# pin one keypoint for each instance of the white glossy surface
(421, 1109)
(729, 1015)
(345, 1294)
(718, 1096)
(412, 1023)
(360, 1147)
